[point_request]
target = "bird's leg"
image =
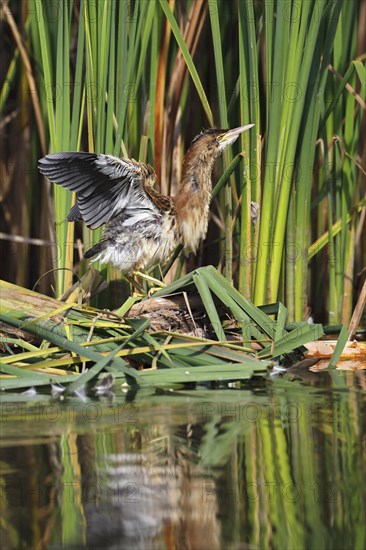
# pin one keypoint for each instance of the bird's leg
(136, 285)
(152, 280)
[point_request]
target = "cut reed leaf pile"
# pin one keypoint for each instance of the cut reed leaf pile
(72, 344)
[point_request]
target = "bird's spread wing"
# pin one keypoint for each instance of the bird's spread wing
(105, 185)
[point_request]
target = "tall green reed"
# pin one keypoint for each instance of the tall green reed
(299, 189)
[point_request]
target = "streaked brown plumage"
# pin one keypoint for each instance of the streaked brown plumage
(143, 226)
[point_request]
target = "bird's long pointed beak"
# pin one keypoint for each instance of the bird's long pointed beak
(229, 137)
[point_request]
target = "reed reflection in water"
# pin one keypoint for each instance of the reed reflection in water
(279, 467)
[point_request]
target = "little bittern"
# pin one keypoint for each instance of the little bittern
(143, 226)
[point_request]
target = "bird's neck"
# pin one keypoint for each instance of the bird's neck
(193, 200)
(196, 173)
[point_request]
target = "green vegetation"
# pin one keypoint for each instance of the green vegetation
(132, 78)
(95, 401)
(67, 337)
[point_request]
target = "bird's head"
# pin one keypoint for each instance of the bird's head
(192, 201)
(212, 142)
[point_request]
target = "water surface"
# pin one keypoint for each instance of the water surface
(280, 465)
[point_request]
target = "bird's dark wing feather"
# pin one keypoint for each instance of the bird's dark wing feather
(104, 184)
(74, 214)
